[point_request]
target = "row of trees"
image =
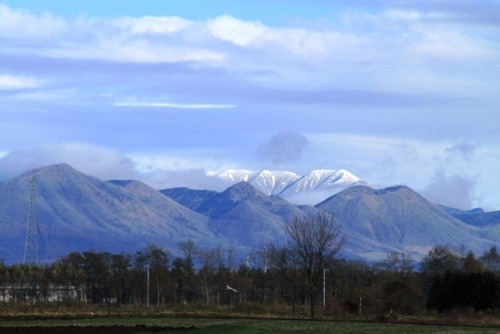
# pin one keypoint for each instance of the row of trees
(304, 272)
(101, 277)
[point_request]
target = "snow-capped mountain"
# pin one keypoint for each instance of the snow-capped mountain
(311, 188)
(268, 182)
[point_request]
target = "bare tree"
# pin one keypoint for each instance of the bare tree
(491, 260)
(439, 260)
(315, 240)
(189, 250)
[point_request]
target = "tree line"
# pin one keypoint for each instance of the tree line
(304, 272)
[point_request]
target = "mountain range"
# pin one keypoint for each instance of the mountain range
(310, 188)
(77, 212)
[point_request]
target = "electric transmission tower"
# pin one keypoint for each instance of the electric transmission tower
(31, 253)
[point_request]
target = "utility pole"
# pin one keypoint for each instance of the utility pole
(147, 286)
(31, 250)
(324, 288)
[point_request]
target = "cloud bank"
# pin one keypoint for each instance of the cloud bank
(94, 160)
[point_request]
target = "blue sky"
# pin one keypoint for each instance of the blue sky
(397, 92)
(275, 12)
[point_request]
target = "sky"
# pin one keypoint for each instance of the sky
(395, 91)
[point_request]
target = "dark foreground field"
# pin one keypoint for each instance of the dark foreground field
(197, 325)
(88, 330)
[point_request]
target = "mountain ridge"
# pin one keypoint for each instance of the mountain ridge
(245, 214)
(402, 218)
(310, 188)
(78, 212)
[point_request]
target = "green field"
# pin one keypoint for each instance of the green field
(200, 325)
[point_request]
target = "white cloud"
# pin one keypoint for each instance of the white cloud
(135, 51)
(20, 24)
(426, 34)
(173, 105)
(195, 169)
(102, 162)
(452, 45)
(300, 42)
(154, 25)
(241, 33)
(179, 161)
(451, 173)
(10, 82)
(46, 95)
(158, 170)
(454, 191)
(396, 54)
(194, 178)
(138, 40)
(402, 15)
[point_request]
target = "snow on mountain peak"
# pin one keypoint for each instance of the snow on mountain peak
(234, 175)
(331, 176)
(273, 182)
(311, 188)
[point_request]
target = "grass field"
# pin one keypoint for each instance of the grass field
(229, 326)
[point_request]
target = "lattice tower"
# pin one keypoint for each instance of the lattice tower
(31, 251)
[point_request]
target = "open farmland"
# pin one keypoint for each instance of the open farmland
(199, 325)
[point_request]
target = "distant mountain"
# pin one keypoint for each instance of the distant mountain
(401, 219)
(77, 212)
(476, 217)
(268, 182)
(488, 222)
(190, 198)
(249, 217)
(311, 188)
